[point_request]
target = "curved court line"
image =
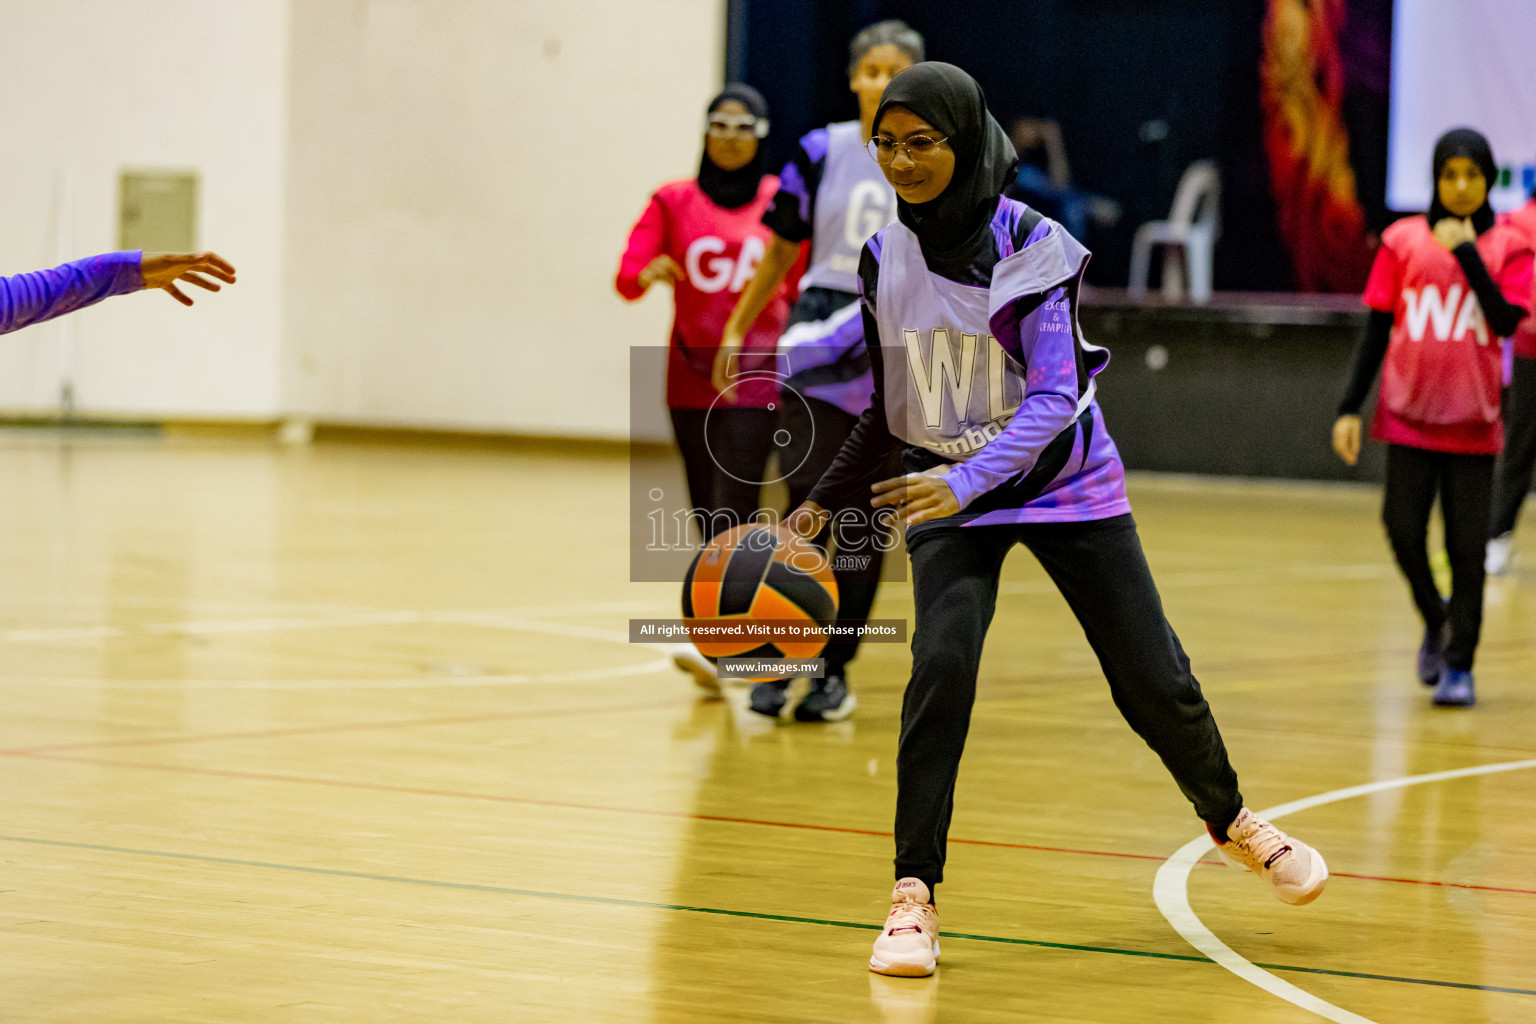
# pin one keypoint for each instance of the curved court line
(614, 901)
(526, 621)
(502, 798)
(217, 627)
(1171, 889)
(317, 685)
(321, 730)
(488, 620)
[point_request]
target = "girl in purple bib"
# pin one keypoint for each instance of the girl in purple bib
(983, 377)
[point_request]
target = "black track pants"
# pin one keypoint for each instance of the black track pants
(1100, 569)
(813, 433)
(725, 453)
(1464, 484)
(1519, 459)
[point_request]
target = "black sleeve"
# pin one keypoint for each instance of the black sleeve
(783, 214)
(1370, 350)
(1026, 225)
(870, 445)
(1502, 315)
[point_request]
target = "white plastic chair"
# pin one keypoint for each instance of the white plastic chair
(1190, 232)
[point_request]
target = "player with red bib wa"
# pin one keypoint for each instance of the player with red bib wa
(704, 236)
(1513, 479)
(1445, 288)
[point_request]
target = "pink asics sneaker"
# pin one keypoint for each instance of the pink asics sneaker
(908, 947)
(1292, 868)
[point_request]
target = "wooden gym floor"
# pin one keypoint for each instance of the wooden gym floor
(352, 733)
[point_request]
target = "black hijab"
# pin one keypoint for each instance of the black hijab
(951, 100)
(1470, 144)
(731, 189)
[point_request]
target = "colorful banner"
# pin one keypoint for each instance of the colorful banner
(1319, 211)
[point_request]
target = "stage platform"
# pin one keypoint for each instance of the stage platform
(1246, 385)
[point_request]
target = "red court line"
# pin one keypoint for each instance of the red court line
(1424, 881)
(727, 819)
(1001, 688)
(399, 723)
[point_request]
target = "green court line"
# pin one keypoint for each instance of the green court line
(614, 901)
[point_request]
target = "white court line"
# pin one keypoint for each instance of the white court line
(497, 619)
(32, 599)
(407, 683)
(530, 625)
(209, 627)
(1171, 889)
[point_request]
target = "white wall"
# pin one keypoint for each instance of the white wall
(463, 176)
(95, 86)
(426, 199)
(1460, 63)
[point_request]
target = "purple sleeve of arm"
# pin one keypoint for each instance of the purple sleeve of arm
(1049, 352)
(27, 299)
(789, 215)
(821, 342)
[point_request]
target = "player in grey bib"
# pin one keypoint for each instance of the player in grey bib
(832, 196)
(853, 201)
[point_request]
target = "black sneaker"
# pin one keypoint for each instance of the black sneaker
(768, 698)
(828, 701)
(1432, 654)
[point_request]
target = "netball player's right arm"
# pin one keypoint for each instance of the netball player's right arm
(771, 272)
(789, 217)
(35, 297)
(776, 264)
(1381, 296)
(645, 261)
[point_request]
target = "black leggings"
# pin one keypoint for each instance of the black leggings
(725, 454)
(1101, 571)
(1465, 486)
(1515, 468)
(814, 432)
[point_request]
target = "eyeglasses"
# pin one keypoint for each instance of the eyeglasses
(919, 147)
(725, 126)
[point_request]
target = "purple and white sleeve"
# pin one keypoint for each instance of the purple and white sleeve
(789, 214)
(32, 298)
(1047, 345)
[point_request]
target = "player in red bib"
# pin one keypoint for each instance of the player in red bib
(1445, 288)
(1514, 474)
(704, 236)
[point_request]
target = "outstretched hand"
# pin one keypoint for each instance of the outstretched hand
(163, 269)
